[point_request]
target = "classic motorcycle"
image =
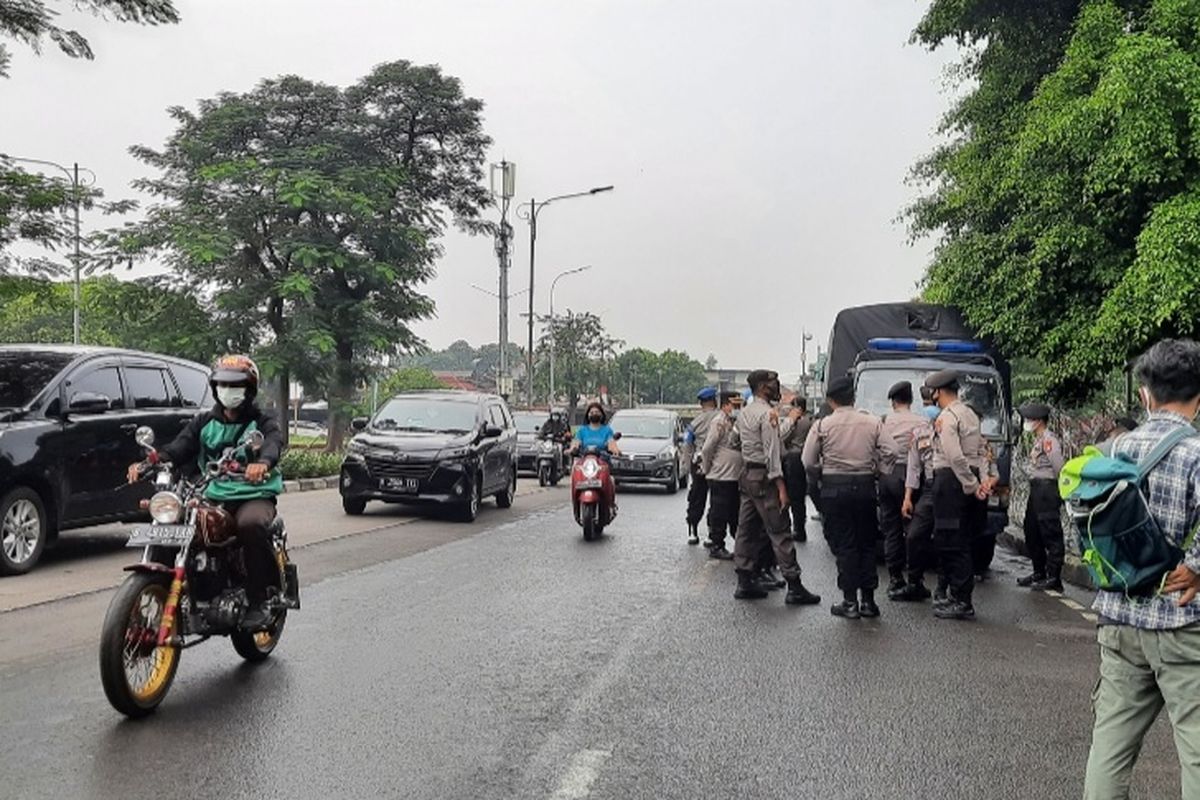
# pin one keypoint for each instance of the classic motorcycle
(593, 493)
(188, 586)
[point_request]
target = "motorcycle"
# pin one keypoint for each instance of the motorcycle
(593, 493)
(189, 585)
(551, 461)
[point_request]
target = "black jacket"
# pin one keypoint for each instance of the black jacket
(186, 447)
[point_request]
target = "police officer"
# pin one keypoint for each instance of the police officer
(764, 498)
(793, 431)
(844, 447)
(721, 462)
(695, 436)
(917, 507)
(958, 452)
(896, 438)
(1043, 520)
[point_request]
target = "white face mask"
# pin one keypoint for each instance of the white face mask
(231, 396)
(1030, 426)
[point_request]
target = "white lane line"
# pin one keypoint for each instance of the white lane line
(1090, 617)
(1071, 604)
(1054, 594)
(576, 784)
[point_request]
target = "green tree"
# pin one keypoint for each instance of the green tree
(637, 371)
(314, 213)
(1067, 200)
(583, 354)
(710, 363)
(32, 22)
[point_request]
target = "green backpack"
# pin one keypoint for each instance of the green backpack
(1123, 546)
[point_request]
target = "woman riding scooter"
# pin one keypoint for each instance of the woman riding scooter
(597, 433)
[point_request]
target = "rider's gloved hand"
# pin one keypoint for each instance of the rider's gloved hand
(257, 472)
(135, 472)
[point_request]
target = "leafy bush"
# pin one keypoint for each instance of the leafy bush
(297, 464)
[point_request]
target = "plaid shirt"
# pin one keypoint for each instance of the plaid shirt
(1174, 499)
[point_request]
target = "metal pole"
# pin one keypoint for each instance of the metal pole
(533, 211)
(553, 339)
(75, 192)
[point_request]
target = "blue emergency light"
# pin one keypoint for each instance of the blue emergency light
(926, 345)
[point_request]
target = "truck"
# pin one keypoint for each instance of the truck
(880, 345)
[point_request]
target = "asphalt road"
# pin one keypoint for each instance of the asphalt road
(509, 659)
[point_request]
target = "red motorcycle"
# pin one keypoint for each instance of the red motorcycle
(593, 493)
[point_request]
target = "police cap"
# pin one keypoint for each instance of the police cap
(1034, 411)
(707, 393)
(759, 377)
(903, 390)
(942, 379)
(840, 387)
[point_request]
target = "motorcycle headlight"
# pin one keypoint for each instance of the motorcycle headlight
(590, 468)
(547, 447)
(166, 507)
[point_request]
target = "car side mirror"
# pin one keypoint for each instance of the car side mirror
(492, 432)
(359, 424)
(89, 403)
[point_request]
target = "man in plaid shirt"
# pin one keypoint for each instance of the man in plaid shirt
(1150, 647)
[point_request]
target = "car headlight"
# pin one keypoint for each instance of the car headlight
(666, 454)
(453, 453)
(356, 451)
(166, 507)
(591, 468)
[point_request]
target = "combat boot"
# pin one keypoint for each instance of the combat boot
(797, 595)
(896, 587)
(1030, 579)
(693, 534)
(867, 607)
(748, 588)
(912, 593)
(1048, 584)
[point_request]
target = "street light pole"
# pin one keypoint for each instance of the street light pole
(530, 211)
(554, 343)
(73, 177)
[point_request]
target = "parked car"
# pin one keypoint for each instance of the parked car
(529, 425)
(650, 448)
(67, 419)
(436, 447)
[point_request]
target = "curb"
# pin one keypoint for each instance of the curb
(310, 484)
(1074, 572)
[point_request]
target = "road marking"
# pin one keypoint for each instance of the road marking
(576, 784)
(1090, 617)
(1071, 604)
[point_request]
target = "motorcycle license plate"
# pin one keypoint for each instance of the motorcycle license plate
(161, 535)
(589, 484)
(408, 485)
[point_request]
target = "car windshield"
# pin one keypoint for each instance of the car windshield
(529, 423)
(427, 414)
(642, 427)
(980, 391)
(23, 375)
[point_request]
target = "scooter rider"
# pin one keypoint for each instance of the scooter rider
(596, 433)
(234, 382)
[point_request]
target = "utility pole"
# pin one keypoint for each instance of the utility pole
(508, 180)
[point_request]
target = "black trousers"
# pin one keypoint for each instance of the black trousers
(723, 507)
(254, 518)
(849, 507)
(797, 487)
(920, 553)
(952, 533)
(893, 525)
(697, 496)
(1043, 528)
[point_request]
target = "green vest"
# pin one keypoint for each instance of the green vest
(215, 438)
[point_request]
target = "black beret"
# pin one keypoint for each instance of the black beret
(760, 376)
(1034, 411)
(942, 378)
(900, 388)
(840, 386)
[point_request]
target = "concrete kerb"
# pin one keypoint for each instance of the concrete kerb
(310, 484)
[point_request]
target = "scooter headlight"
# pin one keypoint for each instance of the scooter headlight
(166, 508)
(590, 468)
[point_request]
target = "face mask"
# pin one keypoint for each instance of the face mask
(1030, 426)
(931, 412)
(231, 396)
(595, 420)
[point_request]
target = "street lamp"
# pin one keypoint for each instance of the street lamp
(554, 343)
(73, 176)
(529, 211)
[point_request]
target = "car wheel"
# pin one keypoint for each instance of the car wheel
(354, 506)
(23, 531)
(505, 499)
(468, 511)
(673, 484)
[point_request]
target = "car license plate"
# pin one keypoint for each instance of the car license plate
(408, 485)
(161, 535)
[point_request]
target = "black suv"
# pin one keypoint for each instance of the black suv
(433, 447)
(67, 419)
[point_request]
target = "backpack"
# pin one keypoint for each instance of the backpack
(1123, 546)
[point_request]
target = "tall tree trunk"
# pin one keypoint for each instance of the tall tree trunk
(341, 395)
(283, 397)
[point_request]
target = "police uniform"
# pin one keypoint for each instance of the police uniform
(722, 464)
(895, 440)
(1043, 513)
(845, 447)
(761, 515)
(918, 481)
(697, 433)
(793, 434)
(958, 455)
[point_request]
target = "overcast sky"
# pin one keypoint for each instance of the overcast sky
(758, 149)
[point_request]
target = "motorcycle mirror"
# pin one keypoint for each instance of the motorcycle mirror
(145, 437)
(616, 435)
(253, 440)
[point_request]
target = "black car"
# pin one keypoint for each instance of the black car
(440, 447)
(67, 422)
(529, 426)
(650, 448)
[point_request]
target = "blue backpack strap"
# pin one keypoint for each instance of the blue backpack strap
(1164, 446)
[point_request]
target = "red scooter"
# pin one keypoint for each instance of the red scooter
(593, 493)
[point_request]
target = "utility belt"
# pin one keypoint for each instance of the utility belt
(755, 465)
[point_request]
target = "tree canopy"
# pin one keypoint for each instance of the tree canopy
(1067, 199)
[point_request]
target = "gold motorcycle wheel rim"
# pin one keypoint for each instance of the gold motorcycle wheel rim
(148, 667)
